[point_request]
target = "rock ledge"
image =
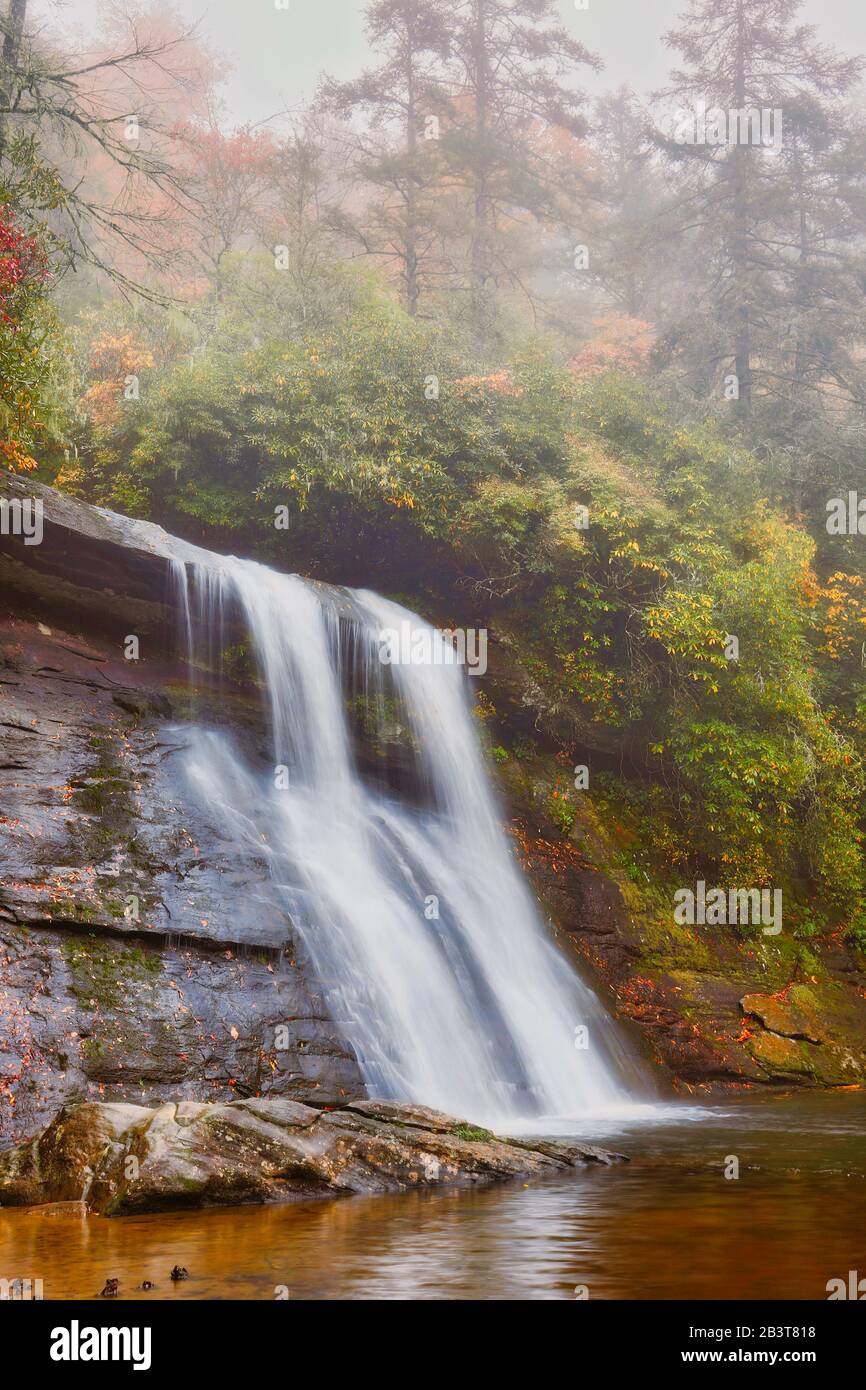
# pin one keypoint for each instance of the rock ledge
(128, 1158)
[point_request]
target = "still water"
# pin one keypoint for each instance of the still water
(666, 1225)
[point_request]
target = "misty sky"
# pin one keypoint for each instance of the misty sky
(277, 55)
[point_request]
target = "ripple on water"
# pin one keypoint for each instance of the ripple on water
(668, 1224)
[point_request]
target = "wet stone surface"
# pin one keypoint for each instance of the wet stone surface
(142, 954)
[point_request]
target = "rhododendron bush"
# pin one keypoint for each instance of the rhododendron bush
(24, 322)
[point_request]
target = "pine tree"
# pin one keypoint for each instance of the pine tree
(513, 64)
(395, 154)
(630, 227)
(760, 195)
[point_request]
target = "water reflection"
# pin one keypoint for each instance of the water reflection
(668, 1225)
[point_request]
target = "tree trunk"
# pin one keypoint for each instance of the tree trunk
(480, 267)
(410, 241)
(740, 240)
(12, 37)
(801, 293)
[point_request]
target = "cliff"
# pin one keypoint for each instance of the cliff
(144, 957)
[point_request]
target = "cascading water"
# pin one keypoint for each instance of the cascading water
(426, 940)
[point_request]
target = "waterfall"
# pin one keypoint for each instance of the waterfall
(426, 940)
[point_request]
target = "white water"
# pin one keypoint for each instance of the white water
(475, 1012)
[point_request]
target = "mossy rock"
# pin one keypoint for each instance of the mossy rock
(668, 945)
(791, 1017)
(105, 973)
(783, 1058)
(472, 1133)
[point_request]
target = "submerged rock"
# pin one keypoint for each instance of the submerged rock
(77, 1211)
(132, 1158)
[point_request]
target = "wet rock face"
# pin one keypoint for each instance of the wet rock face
(142, 956)
(122, 1159)
(700, 1002)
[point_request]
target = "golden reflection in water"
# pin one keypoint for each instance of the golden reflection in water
(668, 1225)
(681, 1238)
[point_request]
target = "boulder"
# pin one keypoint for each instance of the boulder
(122, 1159)
(790, 1017)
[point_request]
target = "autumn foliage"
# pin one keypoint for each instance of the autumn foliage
(23, 277)
(116, 362)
